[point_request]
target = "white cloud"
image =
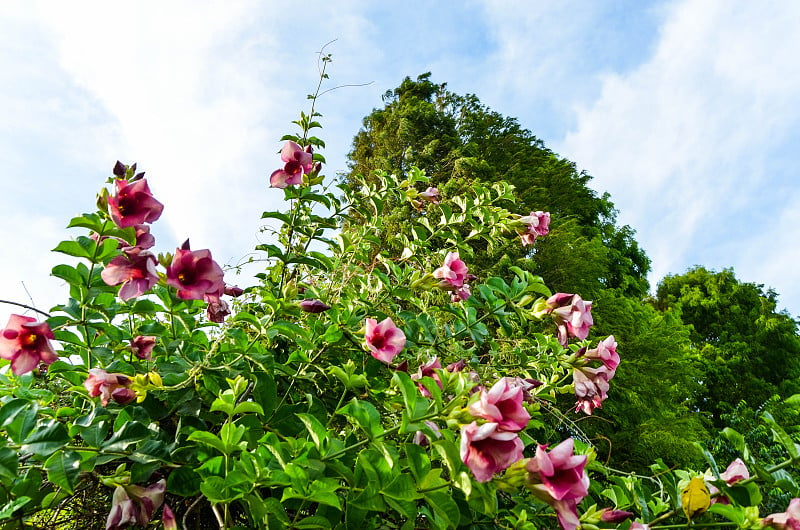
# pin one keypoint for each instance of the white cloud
(684, 141)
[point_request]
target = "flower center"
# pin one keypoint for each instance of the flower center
(28, 340)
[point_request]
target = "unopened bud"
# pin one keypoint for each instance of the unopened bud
(313, 306)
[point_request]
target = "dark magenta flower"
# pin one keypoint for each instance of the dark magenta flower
(559, 479)
(195, 274)
(384, 340)
(502, 404)
(310, 305)
(297, 162)
(142, 346)
(135, 269)
(428, 370)
(217, 309)
(26, 342)
(608, 515)
(133, 204)
(487, 449)
(109, 386)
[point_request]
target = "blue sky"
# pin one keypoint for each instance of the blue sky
(686, 112)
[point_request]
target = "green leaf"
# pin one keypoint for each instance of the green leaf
(9, 462)
(208, 439)
(781, 437)
(46, 438)
(709, 458)
(63, 469)
(312, 521)
(72, 248)
(315, 428)
(444, 506)
(131, 432)
(401, 488)
(248, 407)
(68, 274)
(732, 513)
(9, 411)
(365, 416)
(184, 481)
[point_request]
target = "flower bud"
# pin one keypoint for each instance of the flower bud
(310, 305)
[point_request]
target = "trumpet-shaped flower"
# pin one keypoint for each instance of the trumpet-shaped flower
(538, 224)
(428, 370)
(168, 518)
(297, 162)
(142, 346)
(572, 315)
(135, 269)
(133, 204)
(26, 342)
(452, 273)
(591, 387)
(430, 195)
(558, 478)
(217, 308)
(606, 352)
(487, 449)
(384, 340)
(195, 274)
(135, 505)
(502, 404)
(109, 386)
(788, 520)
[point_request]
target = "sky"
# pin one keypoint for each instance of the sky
(686, 112)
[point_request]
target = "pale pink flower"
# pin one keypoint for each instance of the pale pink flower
(430, 195)
(109, 386)
(606, 352)
(133, 204)
(420, 438)
(486, 449)
(735, 472)
(502, 404)
(788, 520)
(297, 163)
(26, 342)
(195, 274)
(134, 505)
(591, 387)
(384, 340)
(135, 269)
(538, 224)
(572, 315)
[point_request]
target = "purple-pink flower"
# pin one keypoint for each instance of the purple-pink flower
(384, 340)
(453, 276)
(168, 518)
(297, 162)
(591, 387)
(133, 204)
(135, 505)
(310, 305)
(558, 478)
(608, 515)
(109, 386)
(487, 449)
(606, 352)
(572, 315)
(502, 404)
(538, 224)
(135, 269)
(430, 195)
(788, 520)
(420, 438)
(217, 308)
(735, 472)
(142, 346)
(428, 370)
(26, 342)
(195, 274)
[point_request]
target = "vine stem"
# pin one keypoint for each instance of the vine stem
(9, 302)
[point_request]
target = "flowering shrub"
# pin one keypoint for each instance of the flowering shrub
(316, 397)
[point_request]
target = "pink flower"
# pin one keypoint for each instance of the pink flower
(195, 274)
(384, 340)
(135, 505)
(460, 294)
(133, 204)
(430, 195)
(538, 224)
(428, 370)
(487, 449)
(233, 291)
(735, 472)
(135, 269)
(142, 346)
(788, 520)
(310, 305)
(502, 404)
(606, 352)
(297, 163)
(614, 516)
(452, 273)
(144, 239)
(217, 309)
(109, 386)
(638, 526)
(572, 315)
(420, 438)
(168, 519)
(26, 342)
(591, 387)
(558, 478)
